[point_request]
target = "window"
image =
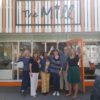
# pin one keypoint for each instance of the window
(62, 45)
(5, 61)
(39, 47)
(91, 55)
(5, 56)
(49, 44)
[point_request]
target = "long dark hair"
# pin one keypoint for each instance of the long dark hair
(37, 58)
(56, 50)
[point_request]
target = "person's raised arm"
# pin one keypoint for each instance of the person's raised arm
(50, 51)
(78, 52)
(18, 58)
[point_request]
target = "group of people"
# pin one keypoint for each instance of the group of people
(61, 65)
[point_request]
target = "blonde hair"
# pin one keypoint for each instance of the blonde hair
(72, 52)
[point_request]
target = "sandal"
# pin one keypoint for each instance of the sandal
(74, 97)
(68, 94)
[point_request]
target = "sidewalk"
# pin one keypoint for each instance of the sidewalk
(12, 93)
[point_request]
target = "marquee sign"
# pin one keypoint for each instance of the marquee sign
(69, 11)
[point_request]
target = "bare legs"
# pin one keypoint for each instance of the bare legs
(75, 87)
(75, 90)
(70, 89)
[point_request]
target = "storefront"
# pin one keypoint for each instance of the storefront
(39, 24)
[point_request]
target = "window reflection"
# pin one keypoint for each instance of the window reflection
(5, 61)
(0, 3)
(39, 47)
(49, 44)
(24, 46)
(5, 55)
(91, 59)
(62, 45)
(15, 53)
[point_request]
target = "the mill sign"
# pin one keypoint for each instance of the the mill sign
(69, 11)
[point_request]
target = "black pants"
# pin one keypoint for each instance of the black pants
(25, 80)
(56, 81)
(96, 89)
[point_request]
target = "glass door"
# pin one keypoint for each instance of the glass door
(91, 59)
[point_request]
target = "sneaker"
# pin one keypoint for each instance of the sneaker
(22, 92)
(75, 96)
(69, 94)
(54, 93)
(34, 96)
(58, 94)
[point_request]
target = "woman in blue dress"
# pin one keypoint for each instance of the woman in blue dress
(25, 77)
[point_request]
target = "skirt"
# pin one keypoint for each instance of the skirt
(73, 74)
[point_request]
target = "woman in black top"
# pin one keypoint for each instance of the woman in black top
(73, 72)
(34, 73)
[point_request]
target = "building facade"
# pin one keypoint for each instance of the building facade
(39, 24)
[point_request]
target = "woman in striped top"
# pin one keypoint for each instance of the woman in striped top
(55, 69)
